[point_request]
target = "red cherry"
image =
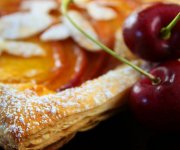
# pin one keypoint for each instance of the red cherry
(158, 106)
(142, 30)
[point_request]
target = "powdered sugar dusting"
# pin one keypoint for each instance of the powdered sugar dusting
(23, 112)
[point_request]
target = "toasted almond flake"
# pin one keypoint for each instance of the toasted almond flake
(86, 26)
(22, 25)
(56, 32)
(23, 49)
(39, 6)
(81, 3)
(108, 3)
(100, 12)
(120, 46)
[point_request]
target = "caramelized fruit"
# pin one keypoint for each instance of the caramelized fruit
(58, 69)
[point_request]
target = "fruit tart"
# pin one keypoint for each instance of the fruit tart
(54, 81)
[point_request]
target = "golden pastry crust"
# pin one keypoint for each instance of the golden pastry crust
(33, 121)
(32, 117)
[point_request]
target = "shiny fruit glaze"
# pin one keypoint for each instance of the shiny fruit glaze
(66, 64)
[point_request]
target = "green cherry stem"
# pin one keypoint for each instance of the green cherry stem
(166, 31)
(64, 8)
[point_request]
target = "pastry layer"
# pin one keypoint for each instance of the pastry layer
(32, 117)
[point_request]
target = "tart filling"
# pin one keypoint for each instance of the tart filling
(41, 53)
(40, 46)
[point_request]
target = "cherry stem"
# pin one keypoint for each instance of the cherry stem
(166, 31)
(64, 8)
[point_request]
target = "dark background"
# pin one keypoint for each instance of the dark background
(122, 132)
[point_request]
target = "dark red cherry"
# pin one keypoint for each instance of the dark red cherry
(154, 103)
(142, 30)
(158, 105)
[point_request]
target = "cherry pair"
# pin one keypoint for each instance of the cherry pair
(155, 99)
(145, 33)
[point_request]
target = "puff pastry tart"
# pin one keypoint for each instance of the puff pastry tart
(54, 82)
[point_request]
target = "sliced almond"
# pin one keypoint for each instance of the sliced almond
(100, 12)
(108, 3)
(81, 3)
(56, 32)
(84, 3)
(23, 25)
(82, 40)
(39, 6)
(23, 49)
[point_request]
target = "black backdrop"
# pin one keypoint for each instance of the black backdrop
(122, 132)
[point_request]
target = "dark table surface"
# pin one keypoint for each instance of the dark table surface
(122, 132)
